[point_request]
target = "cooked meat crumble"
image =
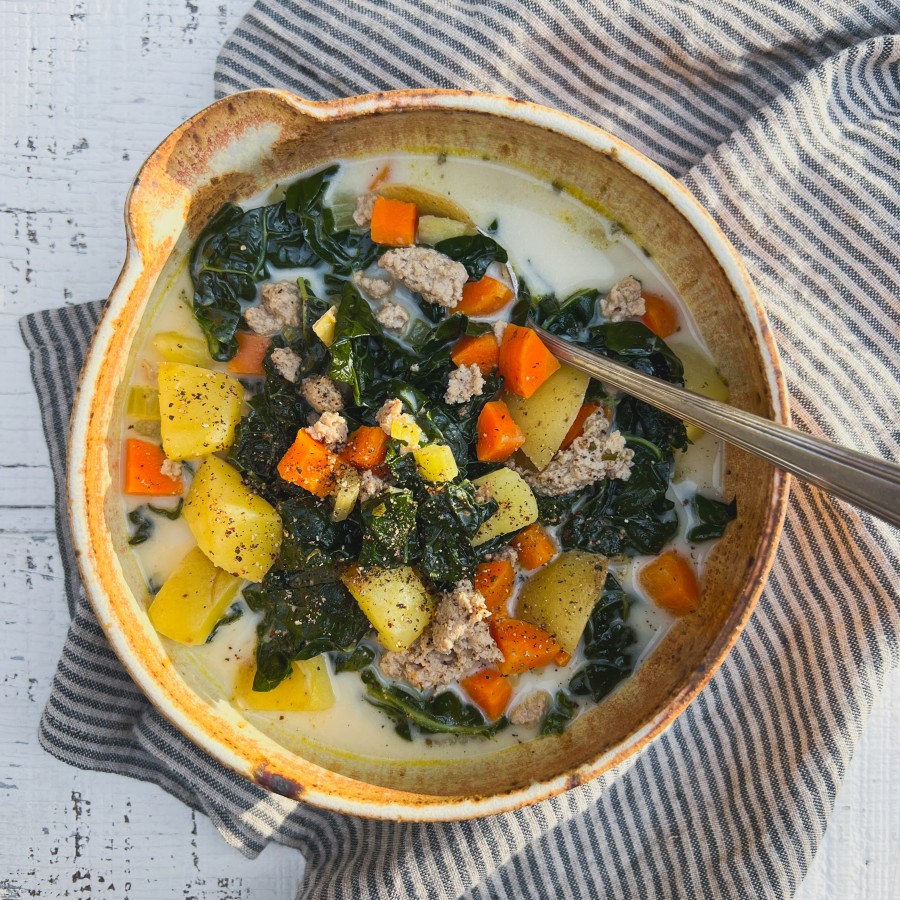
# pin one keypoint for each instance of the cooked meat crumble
(330, 429)
(435, 276)
(321, 393)
(531, 709)
(280, 308)
(624, 300)
(465, 383)
(286, 363)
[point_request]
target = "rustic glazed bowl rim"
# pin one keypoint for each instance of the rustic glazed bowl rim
(254, 756)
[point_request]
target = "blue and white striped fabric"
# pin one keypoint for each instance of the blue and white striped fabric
(783, 117)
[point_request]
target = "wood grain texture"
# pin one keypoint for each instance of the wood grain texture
(90, 87)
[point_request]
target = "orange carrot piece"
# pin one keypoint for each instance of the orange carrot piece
(382, 175)
(562, 659)
(394, 222)
(484, 297)
(534, 546)
(250, 354)
(524, 646)
(586, 411)
(498, 435)
(494, 581)
(661, 316)
(525, 363)
(490, 690)
(671, 582)
(143, 461)
(366, 447)
(311, 465)
(482, 351)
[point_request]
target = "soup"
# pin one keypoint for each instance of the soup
(372, 511)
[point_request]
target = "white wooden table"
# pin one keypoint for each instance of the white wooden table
(89, 87)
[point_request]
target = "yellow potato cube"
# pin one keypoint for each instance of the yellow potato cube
(194, 597)
(394, 600)
(307, 689)
(404, 428)
(518, 507)
(143, 403)
(346, 494)
(435, 462)
(701, 377)
(179, 348)
(199, 410)
(238, 530)
(324, 326)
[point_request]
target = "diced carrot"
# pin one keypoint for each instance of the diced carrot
(524, 646)
(671, 582)
(482, 351)
(494, 581)
(498, 435)
(382, 175)
(394, 222)
(484, 297)
(490, 690)
(366, 447)
(534, 546)
(586, 411)
(311, 465)
(143, 462)
(661, 316)
(562, 659)
(525, 363)
(250, 354)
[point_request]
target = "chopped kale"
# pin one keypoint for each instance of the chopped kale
(143, 527)
(561, 712)
(445, 713)
(312, 539)
(361, 657)
(172, 513)
(232, 615)
(476, 252)
(389, 530)
(713, 516)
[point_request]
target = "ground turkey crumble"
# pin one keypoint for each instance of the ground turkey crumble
(330, 429)
(393, 316)
(370, 485)
(435, 276)
(594, 455)
(499, 328)
(390, 412)
(171, 468)
(376, 288)
(286, 363)
(321, 393)
(465, 383)
(624, 300)
(280, 308)
(365, 203)
(531, 709)
(456, 641)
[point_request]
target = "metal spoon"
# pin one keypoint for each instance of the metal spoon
(867, 482)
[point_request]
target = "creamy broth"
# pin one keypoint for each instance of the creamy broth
(558, 245)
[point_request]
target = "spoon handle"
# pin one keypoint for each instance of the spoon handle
(867, 482)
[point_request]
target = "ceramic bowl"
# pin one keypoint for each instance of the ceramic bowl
(244, 143)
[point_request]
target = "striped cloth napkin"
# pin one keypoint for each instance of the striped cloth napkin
(783, 118)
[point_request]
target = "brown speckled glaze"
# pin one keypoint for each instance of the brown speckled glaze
(242, 144)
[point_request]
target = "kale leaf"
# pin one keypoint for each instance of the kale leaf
(561, 712)
(361, 657)
(300, 621)
(570, 317)
(714, 516)
(143, 527)
(232, 615)
(312, 539)
(607, 637)
(627, 516)
(448, 519)
(445, 713)
(476, 252)
(634, 344)
(389, 530)
(171, 513)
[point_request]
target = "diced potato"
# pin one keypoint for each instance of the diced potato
(143, 403)
(235, 528)
(701, 377)
(547, 415)
(434, 229)
(428, 203)
(435, 462)
(179, 348)
(307, 689)
(194, 597)
(403, 428)
(199, 410)
(346, 494)
(560, 597)
(518, 507)
(394, 600)
(324, 326)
